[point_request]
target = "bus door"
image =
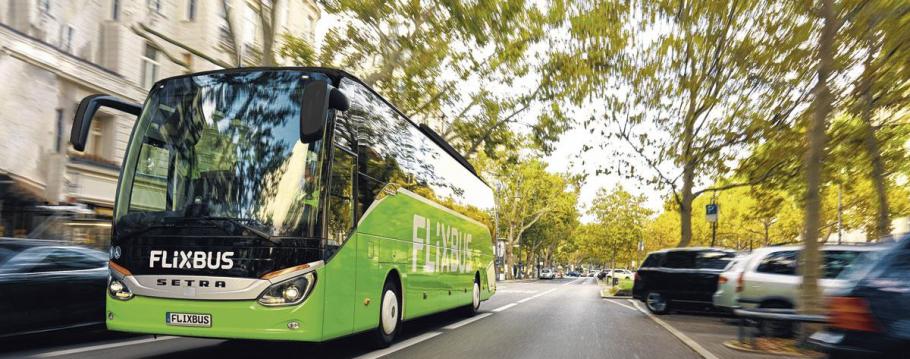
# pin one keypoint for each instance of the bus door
(340, 269)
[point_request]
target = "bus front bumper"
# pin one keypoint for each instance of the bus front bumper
(244, 319)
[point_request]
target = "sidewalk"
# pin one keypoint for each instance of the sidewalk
(711, 331)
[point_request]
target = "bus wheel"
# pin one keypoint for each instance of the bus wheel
(472, 308)
(389, 315)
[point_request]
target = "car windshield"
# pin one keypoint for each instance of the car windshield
(223, 147)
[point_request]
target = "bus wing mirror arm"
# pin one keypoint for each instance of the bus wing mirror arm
(82, 122)
(318, 98)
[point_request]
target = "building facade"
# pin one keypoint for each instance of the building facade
(53, 53)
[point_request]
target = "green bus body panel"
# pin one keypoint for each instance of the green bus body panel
(444, 270)
(391, 237)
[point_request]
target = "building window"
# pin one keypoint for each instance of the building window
(191, 10)
(115, 10)
(58, 140)
(44, 6)
(149, 66)
(153, 5)
(66, 37)
(96, 139)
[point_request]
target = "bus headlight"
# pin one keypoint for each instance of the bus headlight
(118, 290)
(289, 292)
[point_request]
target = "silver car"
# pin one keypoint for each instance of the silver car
(770, 279)
(726, 295)
(619, 273)
(547, 273)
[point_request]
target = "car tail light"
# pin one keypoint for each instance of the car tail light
(739, 282)
(721, 280)
(851, 313)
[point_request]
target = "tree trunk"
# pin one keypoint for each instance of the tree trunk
(685, 209)
(883, 218)
(870, 142)
(810, 268)
(510, 256)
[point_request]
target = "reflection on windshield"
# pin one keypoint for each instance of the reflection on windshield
(220, 147)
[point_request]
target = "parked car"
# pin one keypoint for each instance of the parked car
(47, 285)
(770, 279)
(869, 317)
(592, 273)
(680, 275)
(726, 294)
(546, 273)
(572, 274)
(603, 274)
(620, 274)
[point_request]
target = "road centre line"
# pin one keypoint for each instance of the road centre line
(466, 321)
(101, 347)
(700, 350)
(618, 303)
(401, 345)
(507, 306)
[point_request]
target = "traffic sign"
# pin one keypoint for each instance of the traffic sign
(711, 212)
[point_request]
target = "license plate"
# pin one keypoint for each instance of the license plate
(188, 320)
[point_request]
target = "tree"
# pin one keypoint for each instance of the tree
(708, 85)
(810, 257)
(525, 192)
(880, 30)
(621, 217)
(543, 238)
(454, 65)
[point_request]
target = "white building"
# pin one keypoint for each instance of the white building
(55, 52)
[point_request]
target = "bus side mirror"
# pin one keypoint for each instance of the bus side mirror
(87, 108)
(318, 98)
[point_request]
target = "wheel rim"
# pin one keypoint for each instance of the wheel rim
(389, 312)
(656, 302)
(476, 296)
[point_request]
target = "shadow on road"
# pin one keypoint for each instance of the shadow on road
(347, 347)
(351, 346)
(60, 338)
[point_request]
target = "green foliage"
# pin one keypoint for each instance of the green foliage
(620, 221)
(445, 63)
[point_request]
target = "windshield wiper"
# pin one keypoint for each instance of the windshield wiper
(239, 223)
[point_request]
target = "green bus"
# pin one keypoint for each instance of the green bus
(288, 204)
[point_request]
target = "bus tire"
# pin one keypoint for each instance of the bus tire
(389, 315)
(471, 309)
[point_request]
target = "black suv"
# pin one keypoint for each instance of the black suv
(869, 319)
(680, 276)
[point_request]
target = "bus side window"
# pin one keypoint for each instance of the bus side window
(341, 196)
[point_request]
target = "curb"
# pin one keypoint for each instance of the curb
(733, 344)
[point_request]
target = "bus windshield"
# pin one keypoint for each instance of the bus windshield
(224, 149)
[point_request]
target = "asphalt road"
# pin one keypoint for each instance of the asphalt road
(563, 318)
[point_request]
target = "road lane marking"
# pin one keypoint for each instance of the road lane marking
(101, 347)
(700, 350)
(525, 300)
(618, 303)
(507, 306)
(466, 321)
(399, 346)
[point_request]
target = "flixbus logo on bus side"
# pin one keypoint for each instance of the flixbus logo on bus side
(445, 249)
